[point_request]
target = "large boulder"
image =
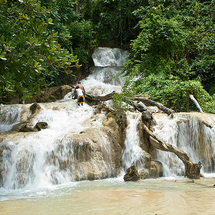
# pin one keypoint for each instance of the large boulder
(26, 127)
(151, 169)
(94, 153)
(51, 94)
(132, 174)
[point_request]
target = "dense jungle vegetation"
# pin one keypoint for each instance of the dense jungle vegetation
(171, 44)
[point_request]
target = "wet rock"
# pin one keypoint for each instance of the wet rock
(132, 174)
(18, 126)
(35, 108)
(26, 127)
(146, 115)
(147, 157)
(91, 154)
(41, 125)
(117, 125)
(152, 169)
(143, 174)
(22, 127)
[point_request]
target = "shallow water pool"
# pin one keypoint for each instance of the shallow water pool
(114, 196)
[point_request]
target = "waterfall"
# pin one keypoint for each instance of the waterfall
(75, 146)
(108, 63)
(187, 132)
(132, 154)
(10, 117)
(103, 57)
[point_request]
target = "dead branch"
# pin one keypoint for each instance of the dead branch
(192, 170)
(153, 103)
(100, 98)
(196, 103)
(139, 106)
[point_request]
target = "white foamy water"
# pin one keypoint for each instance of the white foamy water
(132, 154)
(187, 133)
(33, 164)
(103, 78)
(10, 117)
(103, 57)
(32, 161)
(27, 161)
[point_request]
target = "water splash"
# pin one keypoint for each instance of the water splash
(56, 155)
(188, 133)
(132, 154)
(103, 56)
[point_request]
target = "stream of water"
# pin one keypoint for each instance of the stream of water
(34, 183)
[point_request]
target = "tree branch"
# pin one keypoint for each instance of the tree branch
(153, 103)
(196, 103)
(192, 170)
(24, 9)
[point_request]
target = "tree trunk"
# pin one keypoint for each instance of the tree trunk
(100, 98)
(192, 170)
(142, 98)
(153, 103)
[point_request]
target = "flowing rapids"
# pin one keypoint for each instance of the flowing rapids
(58, 154)
(45, 172)
(132, 153)
(186, 132)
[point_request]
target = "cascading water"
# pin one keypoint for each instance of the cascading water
(75, 146)
(132, 154)
(26, 161)
(107, 57)
(190, 134)
(108, 64)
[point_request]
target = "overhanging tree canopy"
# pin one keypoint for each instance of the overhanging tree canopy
(29, 51)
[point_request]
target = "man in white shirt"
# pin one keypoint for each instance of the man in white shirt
(81, 87)
(80, 96)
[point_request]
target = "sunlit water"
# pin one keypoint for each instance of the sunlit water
(114, 196)
(132, 153)
(189, 135)
(49, 190)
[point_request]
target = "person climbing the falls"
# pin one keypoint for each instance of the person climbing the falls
(80, 96)
(81, 87)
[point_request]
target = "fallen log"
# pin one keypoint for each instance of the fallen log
(153, 103)
(100, 98)
(140, 107)
(192, 170)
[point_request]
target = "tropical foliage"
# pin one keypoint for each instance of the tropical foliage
(29, 52)
(171, 44)
(174, 53)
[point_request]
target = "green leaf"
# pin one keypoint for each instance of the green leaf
(38, 6)
(50, 20)
(2, 57)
